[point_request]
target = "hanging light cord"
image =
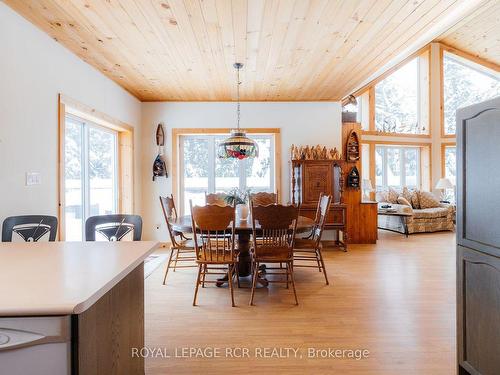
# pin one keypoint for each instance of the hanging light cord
(238, 98)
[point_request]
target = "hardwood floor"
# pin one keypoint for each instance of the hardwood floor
(395, 299)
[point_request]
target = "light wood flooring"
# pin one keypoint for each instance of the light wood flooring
(396, 299)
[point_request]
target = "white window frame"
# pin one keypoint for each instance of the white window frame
(402, 164)
(212, 164)
(84, 157)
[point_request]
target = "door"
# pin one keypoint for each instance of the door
(90, 174)
(478, 238)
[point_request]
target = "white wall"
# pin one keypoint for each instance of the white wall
(34, 69)
(300, 123)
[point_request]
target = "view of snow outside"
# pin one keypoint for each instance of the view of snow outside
(96, 148)
(202, 169)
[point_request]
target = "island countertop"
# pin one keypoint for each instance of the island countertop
(62, 278)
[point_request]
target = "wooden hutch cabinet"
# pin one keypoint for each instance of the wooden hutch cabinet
(309, 179)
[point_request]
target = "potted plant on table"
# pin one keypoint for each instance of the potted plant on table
(239, 198)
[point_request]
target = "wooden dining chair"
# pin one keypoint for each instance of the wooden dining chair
(30, 228)
(216, 198)
(274, 243)
(309, 249)
(181, 248)
(113, 227)
(214, 229)
(264, 199)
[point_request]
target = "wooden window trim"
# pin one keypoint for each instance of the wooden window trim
(387, 134)
(125, 154)
(178, 132)
(443, 151)
(467, 56)
(371, 111)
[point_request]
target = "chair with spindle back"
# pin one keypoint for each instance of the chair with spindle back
(181, 248)
(216, 198)
(30, 228)
(113, 227)
(264, 199)
(274, 243)
(214, 229)
(309, 249)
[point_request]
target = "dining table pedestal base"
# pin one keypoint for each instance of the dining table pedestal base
(244, 231)
(245, 261)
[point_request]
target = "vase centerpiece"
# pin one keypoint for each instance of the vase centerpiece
(239, 198)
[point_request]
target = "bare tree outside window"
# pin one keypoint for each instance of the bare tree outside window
(396, 101)
(464, 84)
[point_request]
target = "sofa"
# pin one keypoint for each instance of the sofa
(439, 217)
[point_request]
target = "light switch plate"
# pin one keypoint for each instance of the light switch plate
(33, 178)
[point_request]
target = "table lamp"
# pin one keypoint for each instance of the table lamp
(443, 184)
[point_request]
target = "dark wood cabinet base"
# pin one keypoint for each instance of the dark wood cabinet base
(104, 335)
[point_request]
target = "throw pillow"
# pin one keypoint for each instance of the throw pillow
(392, 196)
(406, 194)
(402, 200)
(381, 196)
(415, 201)
(427, 200)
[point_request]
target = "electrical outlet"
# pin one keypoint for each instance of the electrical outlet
(158, 226)
(33, 178)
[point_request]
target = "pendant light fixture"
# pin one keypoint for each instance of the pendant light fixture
(238, 145)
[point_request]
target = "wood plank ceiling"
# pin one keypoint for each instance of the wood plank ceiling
(185, 50)
(479, 33)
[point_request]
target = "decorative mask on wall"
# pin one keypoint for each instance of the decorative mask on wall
(159, 165)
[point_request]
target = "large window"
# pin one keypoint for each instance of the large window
(397, 101)
(397, 166)
(202, 171)
(90, 174)
(465, 83)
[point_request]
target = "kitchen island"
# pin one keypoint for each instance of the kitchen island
(72, 307)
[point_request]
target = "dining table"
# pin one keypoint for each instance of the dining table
(243, 230)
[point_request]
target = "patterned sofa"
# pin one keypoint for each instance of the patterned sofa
(422, 220)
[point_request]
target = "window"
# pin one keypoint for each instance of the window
(90, 174)
(202, 171)
(465, 83)
(397, 166)
(397, 101)
(450, 163)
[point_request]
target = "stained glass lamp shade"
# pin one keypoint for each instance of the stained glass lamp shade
(238, 145)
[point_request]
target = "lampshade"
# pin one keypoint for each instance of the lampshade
(238, 146)
(444, 183)
(367, 184)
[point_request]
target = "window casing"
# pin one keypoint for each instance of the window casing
(202, 171)
(397, 166)
(90, 174)
(465, 83)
